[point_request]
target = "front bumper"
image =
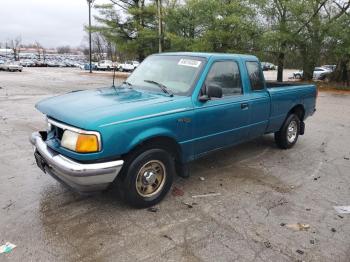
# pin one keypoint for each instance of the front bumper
(81, 177)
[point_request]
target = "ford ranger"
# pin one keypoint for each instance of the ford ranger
(173, 109)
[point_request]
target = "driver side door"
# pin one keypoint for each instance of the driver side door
(221, 122)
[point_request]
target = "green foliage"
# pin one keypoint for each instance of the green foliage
(213, 26)
(133, 32)
(300, 33)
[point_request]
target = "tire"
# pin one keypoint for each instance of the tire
(297, 76)
(134, 186)
(288, 135)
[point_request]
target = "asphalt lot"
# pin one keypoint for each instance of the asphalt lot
(262, 191)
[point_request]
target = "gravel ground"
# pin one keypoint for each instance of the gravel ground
(262, 191)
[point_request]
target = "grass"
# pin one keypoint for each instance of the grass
(332, 86)
(328, 86)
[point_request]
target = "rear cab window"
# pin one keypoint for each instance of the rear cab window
(255, 76)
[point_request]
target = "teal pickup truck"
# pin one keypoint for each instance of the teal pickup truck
(173, 109)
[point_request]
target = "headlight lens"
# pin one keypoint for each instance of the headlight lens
(82, 143)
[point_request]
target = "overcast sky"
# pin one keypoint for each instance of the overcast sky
(50, 22)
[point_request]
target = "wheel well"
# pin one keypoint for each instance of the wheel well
(299, 111)
(163, 142)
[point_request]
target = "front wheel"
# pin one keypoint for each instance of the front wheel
(288, 135)
(148, 178)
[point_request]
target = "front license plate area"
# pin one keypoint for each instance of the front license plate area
(40, 162)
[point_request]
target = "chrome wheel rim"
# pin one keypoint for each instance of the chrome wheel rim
(150, 178)
(292, 131)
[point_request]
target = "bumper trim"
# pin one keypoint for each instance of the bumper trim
(76, 175)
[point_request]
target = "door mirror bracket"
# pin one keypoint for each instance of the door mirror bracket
(204, 98)
(211, 91)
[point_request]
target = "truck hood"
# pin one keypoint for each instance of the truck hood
(91, 109)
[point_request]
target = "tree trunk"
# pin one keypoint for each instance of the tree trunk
(14, 54)
(280, 65)
(280, 62)
(160, 26)
(341, 74)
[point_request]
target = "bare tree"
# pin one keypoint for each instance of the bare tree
(38, 48)
(101, 47)
(64, 49)
(15, 45)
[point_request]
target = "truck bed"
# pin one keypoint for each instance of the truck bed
(285, 96)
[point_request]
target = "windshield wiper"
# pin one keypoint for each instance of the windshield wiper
(161, 86)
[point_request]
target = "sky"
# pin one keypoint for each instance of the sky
(50, 22)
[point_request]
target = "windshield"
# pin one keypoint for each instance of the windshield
(176, 73)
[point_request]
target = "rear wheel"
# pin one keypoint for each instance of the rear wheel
(288, 135)
(148, 177)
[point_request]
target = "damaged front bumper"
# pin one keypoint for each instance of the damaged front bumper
(81, 177)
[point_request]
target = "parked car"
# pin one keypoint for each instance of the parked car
(52, 64)
(330, 67)
(105, 65)
(173, 109)
(127, 66)
(11, 66)
(87, 66)
(27, 63)
(40, 63)
(268, 66)
(135, 63)
(320, 73)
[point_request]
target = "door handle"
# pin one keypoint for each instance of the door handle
(244, 105)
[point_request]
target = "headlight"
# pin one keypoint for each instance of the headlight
(81, 143)
(48, 125)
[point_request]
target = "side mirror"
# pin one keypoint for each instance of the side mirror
(212, 91)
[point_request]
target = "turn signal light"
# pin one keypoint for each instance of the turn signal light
(87, 144)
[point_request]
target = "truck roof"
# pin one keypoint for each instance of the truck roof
(208, 55)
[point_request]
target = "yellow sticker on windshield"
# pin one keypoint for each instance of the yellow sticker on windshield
(189, 62)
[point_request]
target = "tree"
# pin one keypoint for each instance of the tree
(63, 49)
(317, 19)
(318, 29)
(132, 28)
(301, 26)
(212, 25)
(15, 45)
(295, 32)
(101, 48)
(337, 48)
(38, 48)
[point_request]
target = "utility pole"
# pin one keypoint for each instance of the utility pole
(160, 26)
(90, 2)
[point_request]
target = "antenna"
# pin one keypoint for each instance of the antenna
(114, 76)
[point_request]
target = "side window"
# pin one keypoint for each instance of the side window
(225, 74)
(255, 76)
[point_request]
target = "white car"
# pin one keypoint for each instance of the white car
(127, 66)
(105, 65)
(320, 73)
(135, 63)
(11, 66)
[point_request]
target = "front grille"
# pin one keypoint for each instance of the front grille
(59, 133)
(56, 132)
